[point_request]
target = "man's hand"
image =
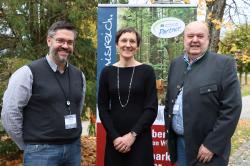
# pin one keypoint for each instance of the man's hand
(204, 154)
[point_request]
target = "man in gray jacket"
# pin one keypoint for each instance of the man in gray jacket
(203, 102)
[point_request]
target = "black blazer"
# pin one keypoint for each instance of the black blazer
(211, 106)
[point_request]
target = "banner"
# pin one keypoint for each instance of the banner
(161, 28)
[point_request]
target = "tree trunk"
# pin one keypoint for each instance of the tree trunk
(153, 39)
(216, 8)
(246, 73)
(169, 47)
(240, 76)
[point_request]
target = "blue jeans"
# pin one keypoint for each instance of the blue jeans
(181, 155)
(52, 155)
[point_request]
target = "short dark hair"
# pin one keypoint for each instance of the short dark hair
(61, 25)
(125, 30)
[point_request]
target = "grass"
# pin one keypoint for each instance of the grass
(241, 135)
(245, 88)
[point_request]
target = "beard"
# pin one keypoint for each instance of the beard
(60, 59)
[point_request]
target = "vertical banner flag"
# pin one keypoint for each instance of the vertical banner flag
(106, 55)
(161, 27)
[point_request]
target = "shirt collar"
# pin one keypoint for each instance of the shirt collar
(195, 60)
(52, 64)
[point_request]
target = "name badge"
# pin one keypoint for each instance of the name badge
(70, 121)
(176, 109)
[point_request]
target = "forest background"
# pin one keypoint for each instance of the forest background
(24, 25)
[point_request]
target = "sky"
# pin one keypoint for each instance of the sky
(237, 19)
(242, 7)
(244, 10)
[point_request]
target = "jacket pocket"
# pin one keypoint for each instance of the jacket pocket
(208, 89)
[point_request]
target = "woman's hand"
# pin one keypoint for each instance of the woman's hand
(123, 144)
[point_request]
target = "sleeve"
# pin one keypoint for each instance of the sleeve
(104, 105)
(15, 98)
(166, 108)
(83, 92)
(230, 109)
(151, 104)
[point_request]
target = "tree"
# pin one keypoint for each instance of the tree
(219, 13)
(236, 42)
(24, 25)
(215, 10)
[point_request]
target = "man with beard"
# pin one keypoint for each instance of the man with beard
(203, 102)
(43, 102)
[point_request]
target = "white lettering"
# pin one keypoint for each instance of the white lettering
(162, 157)
(156, 143)
(157, 164)
(156, 134)
(107, 40)
(163, 142)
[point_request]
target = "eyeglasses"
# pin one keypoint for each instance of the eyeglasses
(63, 41)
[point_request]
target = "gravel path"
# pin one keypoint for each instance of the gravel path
(245, 113)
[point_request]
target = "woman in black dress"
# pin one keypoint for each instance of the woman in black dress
(127, 104)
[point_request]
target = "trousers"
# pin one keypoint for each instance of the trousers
(181, 155)
(52, 155)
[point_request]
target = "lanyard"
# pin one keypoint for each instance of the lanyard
(66, 96)
(180, 87)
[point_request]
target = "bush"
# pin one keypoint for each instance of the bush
(8, 149)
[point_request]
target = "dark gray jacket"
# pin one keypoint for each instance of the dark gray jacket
(211, 106)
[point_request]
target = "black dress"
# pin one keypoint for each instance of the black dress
(138, 115)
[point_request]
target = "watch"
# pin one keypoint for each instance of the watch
(133, 133)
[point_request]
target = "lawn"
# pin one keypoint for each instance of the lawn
(245, 88)
(241, 135)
